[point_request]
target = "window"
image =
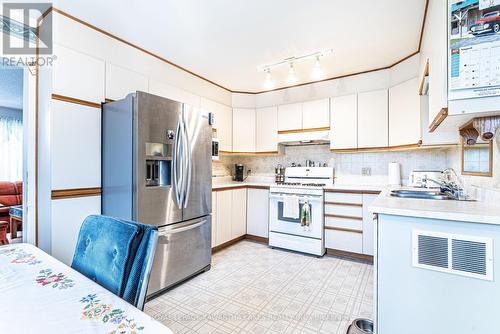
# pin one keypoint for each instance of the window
(11, 149)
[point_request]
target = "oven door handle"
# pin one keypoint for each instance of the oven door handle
(308, 197)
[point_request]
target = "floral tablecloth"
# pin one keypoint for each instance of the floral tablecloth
(39, 294)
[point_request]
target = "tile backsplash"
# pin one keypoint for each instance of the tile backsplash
(348, 166)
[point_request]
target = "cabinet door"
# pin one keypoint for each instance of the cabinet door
(243, 130)
(290, 117)
(258, 212)
(78, 75)
(224, 216)
(239, 213)
(368, 235)
(75, 145)
(316, 114)
(67, 216)
(121, 81)
(165, 90)
(404, 114)
(344, 122)
(266, 129)
(373, 119)
(224, 126)
(214, 219)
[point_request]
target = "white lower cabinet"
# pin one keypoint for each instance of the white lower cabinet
(67, 216)
(214, 218)
(258, 212)
(348, 223)
(368, 236)
(238, 213)
(224, 216)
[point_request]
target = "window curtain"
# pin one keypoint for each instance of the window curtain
(11, 149)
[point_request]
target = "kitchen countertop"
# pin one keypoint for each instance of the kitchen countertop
(466, 211)
(219, 183)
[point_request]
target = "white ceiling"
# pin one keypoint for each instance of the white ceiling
(224, 41)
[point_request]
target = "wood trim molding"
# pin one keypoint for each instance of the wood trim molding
(440, 117)
(229, 188)
(379, 149)
(227, 244)
(422, 79)
(255, 238)
(250, 153)
(327, 128)
(259, 187)
(342, 216)
(343, 229)
(106, 100)
(349, 191)
(75, 193)
(355, 256)
(344, 204)
(75, 101)
(71, 17)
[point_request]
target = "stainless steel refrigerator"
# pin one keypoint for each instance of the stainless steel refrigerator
(157, 169)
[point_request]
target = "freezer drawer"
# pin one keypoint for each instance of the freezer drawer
(184, 249)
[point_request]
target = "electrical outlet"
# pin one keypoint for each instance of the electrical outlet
(366, 171)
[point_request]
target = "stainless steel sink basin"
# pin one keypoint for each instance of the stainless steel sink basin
(420, 194)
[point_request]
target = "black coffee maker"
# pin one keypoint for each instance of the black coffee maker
(239, 172)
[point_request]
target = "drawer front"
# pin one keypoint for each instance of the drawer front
(344, 198)
(344, 241)
(344, 210)
(353, 224)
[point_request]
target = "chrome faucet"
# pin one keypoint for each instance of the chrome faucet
(453, 189)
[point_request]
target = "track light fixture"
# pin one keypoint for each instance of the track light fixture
(317, 72)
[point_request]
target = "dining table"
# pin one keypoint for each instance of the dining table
(40, 294)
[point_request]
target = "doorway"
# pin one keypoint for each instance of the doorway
(17, 102)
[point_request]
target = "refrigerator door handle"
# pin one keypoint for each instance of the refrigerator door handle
(176, 158)
(164, 232)
(187, 152)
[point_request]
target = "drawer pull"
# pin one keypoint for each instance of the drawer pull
(345, 217)
(343, 229)
(346, 204)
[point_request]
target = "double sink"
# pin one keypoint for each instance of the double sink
(424, 194)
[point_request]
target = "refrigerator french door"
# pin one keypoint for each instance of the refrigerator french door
(156, 160)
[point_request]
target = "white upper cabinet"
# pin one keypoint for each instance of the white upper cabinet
(75, 141)
(344, 122)
(290, 117)
(223, 122)
(78, 75)
(165, 90)
(373, 114)
(316, 114)
(121, 81)
(266, 129)
(243, 130)
(404, 114)
(224, 126)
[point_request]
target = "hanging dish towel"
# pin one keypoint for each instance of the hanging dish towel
(291, 207)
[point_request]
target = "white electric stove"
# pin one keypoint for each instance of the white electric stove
(307, 184)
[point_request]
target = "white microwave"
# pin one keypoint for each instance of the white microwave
(215, 149)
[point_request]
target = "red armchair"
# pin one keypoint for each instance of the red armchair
(11, 194)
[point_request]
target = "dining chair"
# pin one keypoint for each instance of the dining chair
(117, 254)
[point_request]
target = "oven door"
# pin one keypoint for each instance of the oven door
(279, 223)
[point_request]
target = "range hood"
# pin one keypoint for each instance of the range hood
(304, 138)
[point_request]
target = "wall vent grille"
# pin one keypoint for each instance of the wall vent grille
(456, 254)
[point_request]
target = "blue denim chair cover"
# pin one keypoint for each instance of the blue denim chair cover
(108, 250)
